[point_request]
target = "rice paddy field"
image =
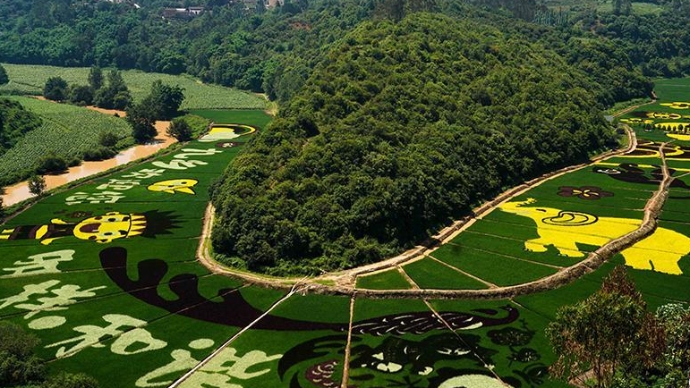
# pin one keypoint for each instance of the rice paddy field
(30, 79)
(106, 275)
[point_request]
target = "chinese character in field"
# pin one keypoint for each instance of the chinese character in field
(100, 197)
(39, 264)
(179, 162)
(222, 371)
(118, 184)
(127, 330)
(145, 173)
(57, 298)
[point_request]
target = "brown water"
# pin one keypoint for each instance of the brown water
(20, 191)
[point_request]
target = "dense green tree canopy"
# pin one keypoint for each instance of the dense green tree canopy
(15, 121)
(403, 127)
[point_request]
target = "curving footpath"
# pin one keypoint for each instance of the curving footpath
(343, 282)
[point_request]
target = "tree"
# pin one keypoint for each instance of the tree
(108, 139)
(95, 78)
(81, 95)
(180, 130)
(165, 100)
(18, 365)
(609, 331)
(37, 185)
(115, 95)
(3, 76)
(142, 120)
(55, 89)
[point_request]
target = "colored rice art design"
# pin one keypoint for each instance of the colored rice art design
(677, 105)
(590, 193)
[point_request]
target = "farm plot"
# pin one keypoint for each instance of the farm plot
(496, 269)
(556, 224)
(402, 345)
(300, 344)
(67, 131)
(429, 273)
(105, 273)
(391, 279)
(32, 78)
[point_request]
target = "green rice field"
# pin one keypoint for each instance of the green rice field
(106, 275)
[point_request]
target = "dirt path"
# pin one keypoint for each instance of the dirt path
(344, 282)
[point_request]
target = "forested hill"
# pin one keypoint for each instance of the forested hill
(401, 128)
(15, 121)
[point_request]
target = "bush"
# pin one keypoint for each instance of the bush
(180, 130)
(108, 139)
(51, 164)
(100, 153)
(55, 89)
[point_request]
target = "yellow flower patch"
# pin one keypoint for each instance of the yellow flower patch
(677, 105)
(664, 115)
(678, 136)
(670, 126)
(564, 230)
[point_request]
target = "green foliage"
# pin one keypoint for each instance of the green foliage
(37, 184)
(99, 153)
(142, 121)
(403, 127)
(55, 89)
(114, 95)
(108, 139)
(3, 76)
(18, 365)
(81, 95)
(29, 79)
(50, 164)
(66, 131)
(15, 122)
(164, 100)
(180, 130)
(609, 331)
(96, 78)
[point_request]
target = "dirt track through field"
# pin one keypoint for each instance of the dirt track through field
(344, 282)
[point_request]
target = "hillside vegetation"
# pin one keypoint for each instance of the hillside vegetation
(400, 129)
(15, 122)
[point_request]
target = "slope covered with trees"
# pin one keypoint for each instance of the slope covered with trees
(15, 121)
(402, 128)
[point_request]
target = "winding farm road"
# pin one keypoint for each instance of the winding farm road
(343, 282)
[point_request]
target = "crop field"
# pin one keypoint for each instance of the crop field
(429, 273)
(30, 79)
(496, 269)
(67, 131)
(257, 118)
(106, 275)
(391, 279)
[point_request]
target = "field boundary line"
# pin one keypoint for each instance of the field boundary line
(469, 275)
(346, 361)
(232, 339)
(558, 267)
(455, 333)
